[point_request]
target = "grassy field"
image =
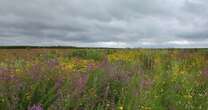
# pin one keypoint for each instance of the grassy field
(103, 79)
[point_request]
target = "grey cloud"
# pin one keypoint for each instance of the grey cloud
(127, 23)
(195, 35)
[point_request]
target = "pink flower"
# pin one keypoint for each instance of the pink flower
(205, 72)
(81, 82)
(36, 107)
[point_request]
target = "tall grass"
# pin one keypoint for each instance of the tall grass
(98, 79)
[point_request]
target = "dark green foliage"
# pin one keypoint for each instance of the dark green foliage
(88, 54)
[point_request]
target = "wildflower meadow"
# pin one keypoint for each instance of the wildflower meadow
(103, 79)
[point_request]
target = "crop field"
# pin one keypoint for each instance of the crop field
(103, 79)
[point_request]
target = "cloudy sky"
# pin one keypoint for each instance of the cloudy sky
(105, 23)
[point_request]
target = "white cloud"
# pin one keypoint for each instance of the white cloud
(180, 42)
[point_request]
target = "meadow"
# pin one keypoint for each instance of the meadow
(103, 79)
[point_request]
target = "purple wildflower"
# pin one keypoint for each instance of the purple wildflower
(106, 66)
(80, 83)
(52, 63)
(58, 84)
(91, 66)
(35, 71)
(3, 70)
(205, 72)
(36, 107)
(146, 83)
(104, 62)
(6, 74)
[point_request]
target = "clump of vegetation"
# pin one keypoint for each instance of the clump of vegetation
(88, 54)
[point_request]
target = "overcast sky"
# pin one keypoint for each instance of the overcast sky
(105, 23)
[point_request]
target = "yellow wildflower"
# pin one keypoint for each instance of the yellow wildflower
(121, 107)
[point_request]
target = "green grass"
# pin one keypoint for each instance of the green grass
(155, 79)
